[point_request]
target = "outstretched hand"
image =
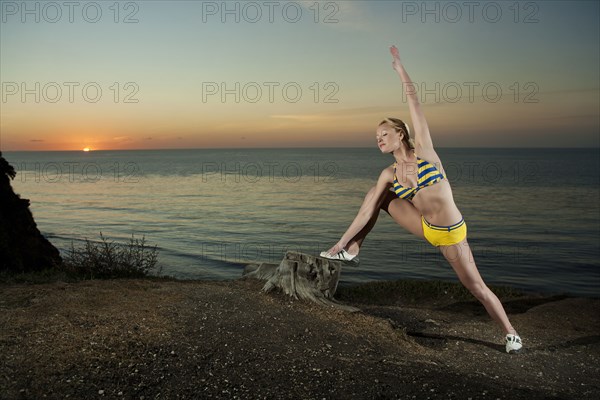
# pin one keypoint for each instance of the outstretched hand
(396, 57)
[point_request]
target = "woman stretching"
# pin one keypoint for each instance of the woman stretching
(422, 203)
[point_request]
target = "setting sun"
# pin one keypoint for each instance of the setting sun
(87, 149)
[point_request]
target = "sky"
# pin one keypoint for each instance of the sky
(245, 74)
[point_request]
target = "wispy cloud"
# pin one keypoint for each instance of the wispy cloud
(582, 90)
(349, 15)
(341, 113)
(573, 116)
(359, 112)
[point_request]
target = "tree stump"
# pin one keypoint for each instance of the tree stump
(301, 276)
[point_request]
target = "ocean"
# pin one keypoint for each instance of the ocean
(533, 215)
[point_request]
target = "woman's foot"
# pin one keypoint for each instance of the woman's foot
(513, 343)
(343, 256)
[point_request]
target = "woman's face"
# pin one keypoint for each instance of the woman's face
(388, 139)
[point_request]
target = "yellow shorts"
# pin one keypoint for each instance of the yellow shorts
(444, 235)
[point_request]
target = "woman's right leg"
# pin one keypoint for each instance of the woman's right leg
(402, 211)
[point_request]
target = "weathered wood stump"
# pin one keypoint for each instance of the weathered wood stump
(301, 276)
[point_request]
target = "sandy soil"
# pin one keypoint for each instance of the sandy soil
(145, 339)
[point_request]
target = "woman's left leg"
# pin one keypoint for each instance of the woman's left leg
(461, 259)
(401, 211)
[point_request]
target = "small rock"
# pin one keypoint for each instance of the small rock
(100, 391)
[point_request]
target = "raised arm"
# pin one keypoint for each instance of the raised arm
(368, 208)
(422, 136)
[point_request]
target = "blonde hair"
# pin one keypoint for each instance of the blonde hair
(400, 126)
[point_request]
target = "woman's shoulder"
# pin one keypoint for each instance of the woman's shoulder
(388, 172)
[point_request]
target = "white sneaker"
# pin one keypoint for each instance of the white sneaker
(342, 256)
(513, 343)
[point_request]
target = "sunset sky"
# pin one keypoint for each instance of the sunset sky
(295, 74)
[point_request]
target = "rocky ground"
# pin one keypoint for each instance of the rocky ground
(153, 339)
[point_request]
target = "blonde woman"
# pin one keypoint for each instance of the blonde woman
(422, 203)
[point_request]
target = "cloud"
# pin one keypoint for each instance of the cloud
(122, 139)
(583, 90)
(342, 113)
(359, 112)
(573, 116)
(350, 15)
(36, 140)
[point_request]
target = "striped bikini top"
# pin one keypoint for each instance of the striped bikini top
(427, 175)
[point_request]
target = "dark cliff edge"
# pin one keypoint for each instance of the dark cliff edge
(22, 246)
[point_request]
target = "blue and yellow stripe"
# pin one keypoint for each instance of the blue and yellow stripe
(427, 174)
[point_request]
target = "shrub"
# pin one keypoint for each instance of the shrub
(109, 259)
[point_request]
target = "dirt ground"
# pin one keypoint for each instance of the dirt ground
(145, 339)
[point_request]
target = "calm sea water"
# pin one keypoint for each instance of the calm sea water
(533, 214)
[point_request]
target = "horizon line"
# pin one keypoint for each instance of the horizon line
(301, 147)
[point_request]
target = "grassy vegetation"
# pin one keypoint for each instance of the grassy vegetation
(103, 259)
(109, 259)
